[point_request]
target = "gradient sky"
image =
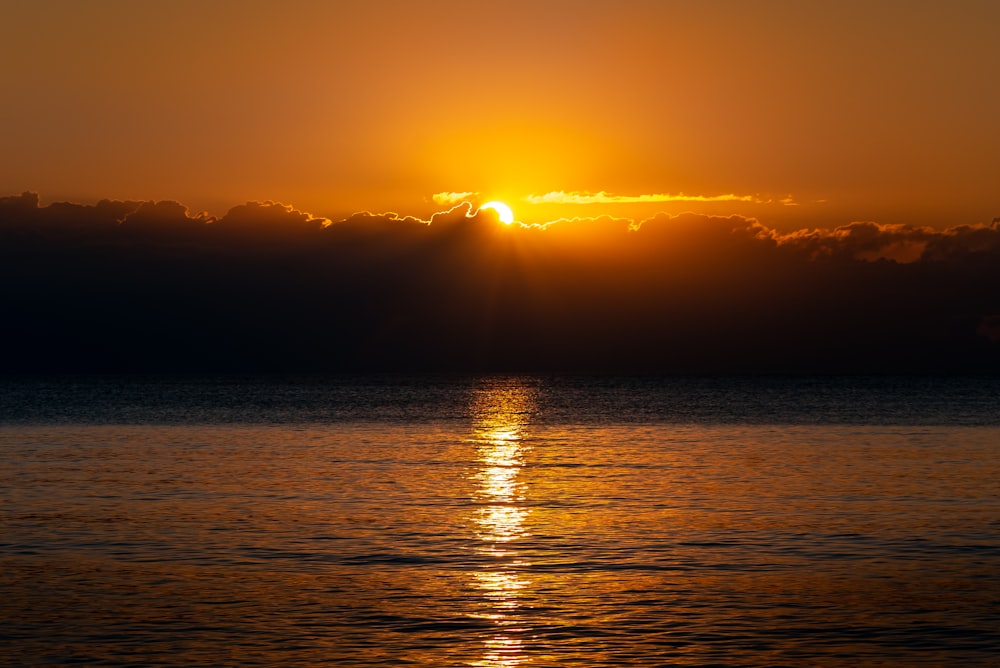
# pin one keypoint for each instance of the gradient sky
(800, 114)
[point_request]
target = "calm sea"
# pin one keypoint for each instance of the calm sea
(500, 521)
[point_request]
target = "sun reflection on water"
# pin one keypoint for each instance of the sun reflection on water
(501, 410)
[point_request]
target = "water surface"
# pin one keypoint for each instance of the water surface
(504, 521)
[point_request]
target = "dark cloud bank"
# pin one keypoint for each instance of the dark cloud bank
(149, 287)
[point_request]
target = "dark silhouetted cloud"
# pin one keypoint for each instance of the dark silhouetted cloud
(151, 286)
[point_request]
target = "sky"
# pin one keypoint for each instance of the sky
(697, 187)
(797, 114)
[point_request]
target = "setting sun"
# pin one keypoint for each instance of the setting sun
(503, 211)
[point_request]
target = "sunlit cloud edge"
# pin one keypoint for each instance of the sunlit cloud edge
(603, 197)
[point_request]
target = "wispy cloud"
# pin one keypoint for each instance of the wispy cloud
(452, 197)
(602, 197)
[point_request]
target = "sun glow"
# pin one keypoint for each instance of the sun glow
(503, 211)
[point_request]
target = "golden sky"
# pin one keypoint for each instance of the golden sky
(801, 114)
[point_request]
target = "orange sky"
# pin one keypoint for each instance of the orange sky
(800, 114)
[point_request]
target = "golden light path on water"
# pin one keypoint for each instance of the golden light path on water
(501, 411)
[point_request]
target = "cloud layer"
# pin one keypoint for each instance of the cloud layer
(601, 197)
(151, 286)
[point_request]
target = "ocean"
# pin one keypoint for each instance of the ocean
(500, 521)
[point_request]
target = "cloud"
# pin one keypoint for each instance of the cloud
(866, 241)
(448, 198)
(903, 244)
(601, 197)
(166, 218)
(151, 286)
(989, 327)
(271, 215)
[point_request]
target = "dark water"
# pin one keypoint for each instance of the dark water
(506, 521)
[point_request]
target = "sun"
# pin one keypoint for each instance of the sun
(503, 211)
